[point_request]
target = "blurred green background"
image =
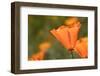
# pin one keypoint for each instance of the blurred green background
(39, 27)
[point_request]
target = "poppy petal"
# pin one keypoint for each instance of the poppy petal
(63, 33)
(73, 34)
(55, 34)
(82, 48)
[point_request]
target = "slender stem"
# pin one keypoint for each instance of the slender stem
(71, 52)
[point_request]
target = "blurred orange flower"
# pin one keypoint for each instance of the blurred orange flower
(81, 47)
(38, 56)
(44, 46)
(71, 22)
(42, 49)
(67, 34)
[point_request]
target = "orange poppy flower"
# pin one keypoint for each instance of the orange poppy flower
(81, 47)
(67, 35)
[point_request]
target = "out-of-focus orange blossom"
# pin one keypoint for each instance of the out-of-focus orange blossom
(43, 47)
(72, 22)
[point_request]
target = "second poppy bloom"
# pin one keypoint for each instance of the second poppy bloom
(81, 47)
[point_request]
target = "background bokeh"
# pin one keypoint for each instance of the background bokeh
(39, 27)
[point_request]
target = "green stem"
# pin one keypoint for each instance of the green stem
(71, 52)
